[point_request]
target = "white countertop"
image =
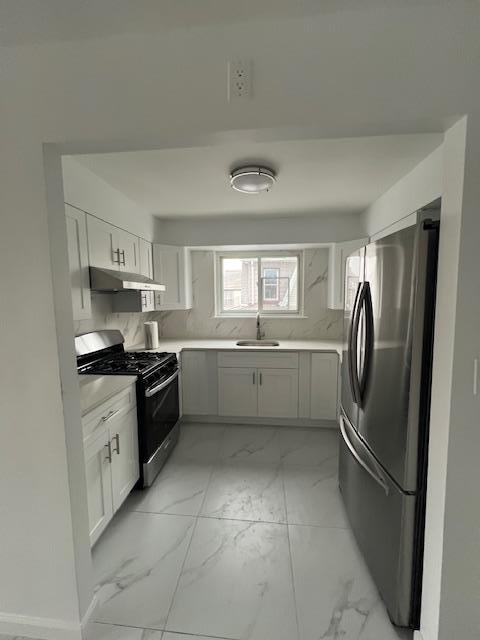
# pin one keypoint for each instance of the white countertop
(179, 344)
(96, 389)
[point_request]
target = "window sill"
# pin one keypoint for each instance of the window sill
(263, 316)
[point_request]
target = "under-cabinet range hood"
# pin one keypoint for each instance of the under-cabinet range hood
(109, 280)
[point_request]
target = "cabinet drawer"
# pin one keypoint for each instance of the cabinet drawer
(266, 360)
(111, 410)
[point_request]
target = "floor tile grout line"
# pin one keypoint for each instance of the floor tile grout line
(199, 635)
(231, 519)
(163, 631)
(290, 557)
(197, 517)
(174, 593)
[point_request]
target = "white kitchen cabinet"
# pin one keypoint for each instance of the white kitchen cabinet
(146, 258)
(261, 386)
(102, 244)
(78, 262)
(277, 393)
(128, 245)
(125, 465)
(112, 248)
(111, 457)
(264, 393)
(172, 267)
(237, 391)
(258, 384)
(324, 386)
(99, 485)
(199, 382)
(338, 255)
(134, 301)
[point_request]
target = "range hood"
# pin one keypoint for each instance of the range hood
(109, 280)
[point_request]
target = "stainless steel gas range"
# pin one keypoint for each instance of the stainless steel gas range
(158, 410)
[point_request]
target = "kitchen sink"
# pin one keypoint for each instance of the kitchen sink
(258, 343)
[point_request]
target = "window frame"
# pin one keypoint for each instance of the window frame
(258, 255)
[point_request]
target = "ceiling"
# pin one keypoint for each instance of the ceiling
(315, 177)
(27, 22)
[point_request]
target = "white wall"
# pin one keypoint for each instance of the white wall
(87, 191)
(200, 322)
(460, 591)
(273, 230)
(401, 68)
(452, 164)
(419, 187)
(104, 317)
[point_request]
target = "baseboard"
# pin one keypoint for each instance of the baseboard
(270, 422)
(44, 628)
(36, 627)
(89, 612)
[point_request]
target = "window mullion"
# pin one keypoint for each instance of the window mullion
(259, 284)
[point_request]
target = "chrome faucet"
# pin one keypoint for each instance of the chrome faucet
(260, 333)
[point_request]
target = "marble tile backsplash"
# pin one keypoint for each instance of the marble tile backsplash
(103, 317)
(200, 322)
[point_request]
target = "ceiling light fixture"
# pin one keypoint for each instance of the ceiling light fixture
(252, 179)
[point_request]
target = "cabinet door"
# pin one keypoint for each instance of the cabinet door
(146, 259)
(125, 464)
(278, 393)
(172, 267)
(103, 246)
(237, 391)
(78, 262)
(99, 485)
(199, 383)
(324, 386)
(129, 252)
(148, 300)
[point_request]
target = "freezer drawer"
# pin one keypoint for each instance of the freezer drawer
(383, 521)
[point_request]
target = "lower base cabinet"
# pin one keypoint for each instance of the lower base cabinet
(125, 461)
(99, 486)
(111, 459)
(278, 393)
(251, 392)
(286, 385)
(237, 391)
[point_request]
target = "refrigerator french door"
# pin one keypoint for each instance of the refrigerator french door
(386, 371)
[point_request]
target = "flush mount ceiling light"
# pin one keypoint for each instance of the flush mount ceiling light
(252, 179)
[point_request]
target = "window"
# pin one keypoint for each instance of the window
(265, 282)
(270, 277)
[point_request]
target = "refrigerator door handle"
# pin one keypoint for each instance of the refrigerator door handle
(352, 345)
(358, 459)
(368, 345)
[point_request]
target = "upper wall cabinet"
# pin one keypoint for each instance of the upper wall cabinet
(78, 261)
(112, 248)
(339, 253)
(172, 267)
(146, 258)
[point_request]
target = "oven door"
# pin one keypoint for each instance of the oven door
(159, 429)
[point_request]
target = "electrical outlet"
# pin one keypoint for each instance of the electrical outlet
(239, 79)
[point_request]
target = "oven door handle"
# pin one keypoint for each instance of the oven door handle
(151, 392)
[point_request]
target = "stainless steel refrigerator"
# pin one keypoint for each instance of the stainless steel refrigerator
(385, 399)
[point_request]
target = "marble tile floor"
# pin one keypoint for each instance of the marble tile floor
(243, 536)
